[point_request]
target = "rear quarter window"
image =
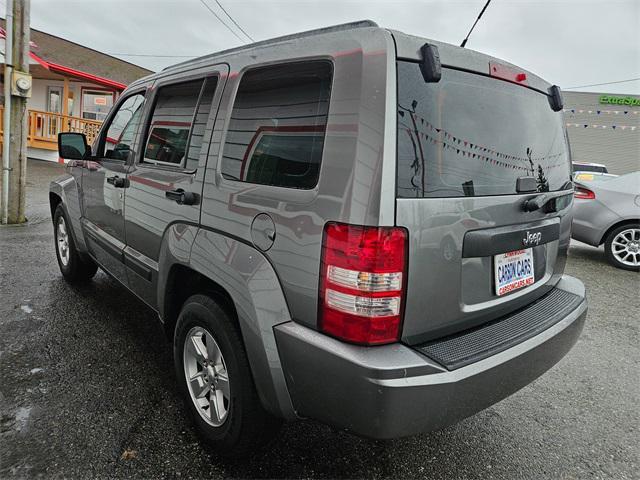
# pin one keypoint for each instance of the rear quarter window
(471, 135)
(277, 128)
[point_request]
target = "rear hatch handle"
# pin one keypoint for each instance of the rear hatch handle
(548, 202)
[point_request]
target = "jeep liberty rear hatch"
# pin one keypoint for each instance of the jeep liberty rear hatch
(475, 254)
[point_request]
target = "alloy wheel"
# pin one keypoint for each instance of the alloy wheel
(206, 376)
(625, 247)
(62, 241)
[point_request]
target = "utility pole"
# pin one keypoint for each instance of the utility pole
(6, 114)
(20, 89)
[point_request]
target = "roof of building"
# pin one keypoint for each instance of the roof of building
(571, 93)
(58, 51)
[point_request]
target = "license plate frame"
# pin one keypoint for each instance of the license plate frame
(513, 271)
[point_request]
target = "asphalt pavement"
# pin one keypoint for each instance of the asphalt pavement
(87, 390)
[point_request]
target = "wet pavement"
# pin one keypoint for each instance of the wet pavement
(87, 390)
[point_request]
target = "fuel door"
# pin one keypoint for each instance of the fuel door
(263, 231)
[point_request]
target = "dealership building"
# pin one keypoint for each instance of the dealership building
(604, 128)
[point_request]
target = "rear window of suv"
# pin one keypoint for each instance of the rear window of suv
(471, 135)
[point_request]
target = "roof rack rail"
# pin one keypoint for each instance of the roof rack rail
(308, 33)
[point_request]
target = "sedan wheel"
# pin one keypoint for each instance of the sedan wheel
(622, 247)
(626, 247)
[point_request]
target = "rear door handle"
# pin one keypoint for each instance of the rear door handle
(181, 197)
(118, 182)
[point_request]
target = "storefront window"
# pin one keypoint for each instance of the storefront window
(96, 104)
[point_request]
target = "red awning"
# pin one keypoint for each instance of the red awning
(54, 67)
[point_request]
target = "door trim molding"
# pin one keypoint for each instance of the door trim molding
(139, 263)
(107, 242)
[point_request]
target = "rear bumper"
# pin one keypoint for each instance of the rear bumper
(393, 390)
(586, 232)
(589, 220)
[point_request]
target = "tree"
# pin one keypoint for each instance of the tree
(541, 180)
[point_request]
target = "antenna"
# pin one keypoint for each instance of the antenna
(464, 42)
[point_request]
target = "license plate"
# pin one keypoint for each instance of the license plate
(513, 270)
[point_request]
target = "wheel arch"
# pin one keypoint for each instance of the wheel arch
(64, 191)
(245, 284)
(54, 201)
(183, 281)
(628, 221)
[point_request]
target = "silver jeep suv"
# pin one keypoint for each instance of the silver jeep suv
(351, 224)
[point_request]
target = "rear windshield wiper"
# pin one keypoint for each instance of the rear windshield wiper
(548, 201)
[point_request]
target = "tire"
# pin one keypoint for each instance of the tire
(239, 424)
(622, 247)
(75, 267)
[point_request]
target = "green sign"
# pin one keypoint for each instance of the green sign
(610, 99)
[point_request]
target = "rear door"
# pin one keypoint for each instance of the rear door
(165, 183)
(475, 253)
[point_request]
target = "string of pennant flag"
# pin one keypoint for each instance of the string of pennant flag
(613, 127)
(462, 146)
(473, 151)
(602, 112)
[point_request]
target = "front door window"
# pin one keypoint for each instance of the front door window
(120, 134)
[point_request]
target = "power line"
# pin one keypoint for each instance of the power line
(234, 22)
(464, 42)
(222, 21)
(605, 83)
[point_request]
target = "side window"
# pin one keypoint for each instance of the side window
(176, 130)
(118, 141)
(278, 124)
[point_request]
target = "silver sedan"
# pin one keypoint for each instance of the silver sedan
(609, 213)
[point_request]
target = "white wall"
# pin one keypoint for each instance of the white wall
(618, 148)
(38, 100)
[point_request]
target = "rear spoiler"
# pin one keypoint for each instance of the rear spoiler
(431, 69)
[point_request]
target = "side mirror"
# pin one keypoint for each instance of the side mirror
(73, 146)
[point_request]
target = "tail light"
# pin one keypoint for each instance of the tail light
(584, 193)
(506, 72)
(362, 283)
